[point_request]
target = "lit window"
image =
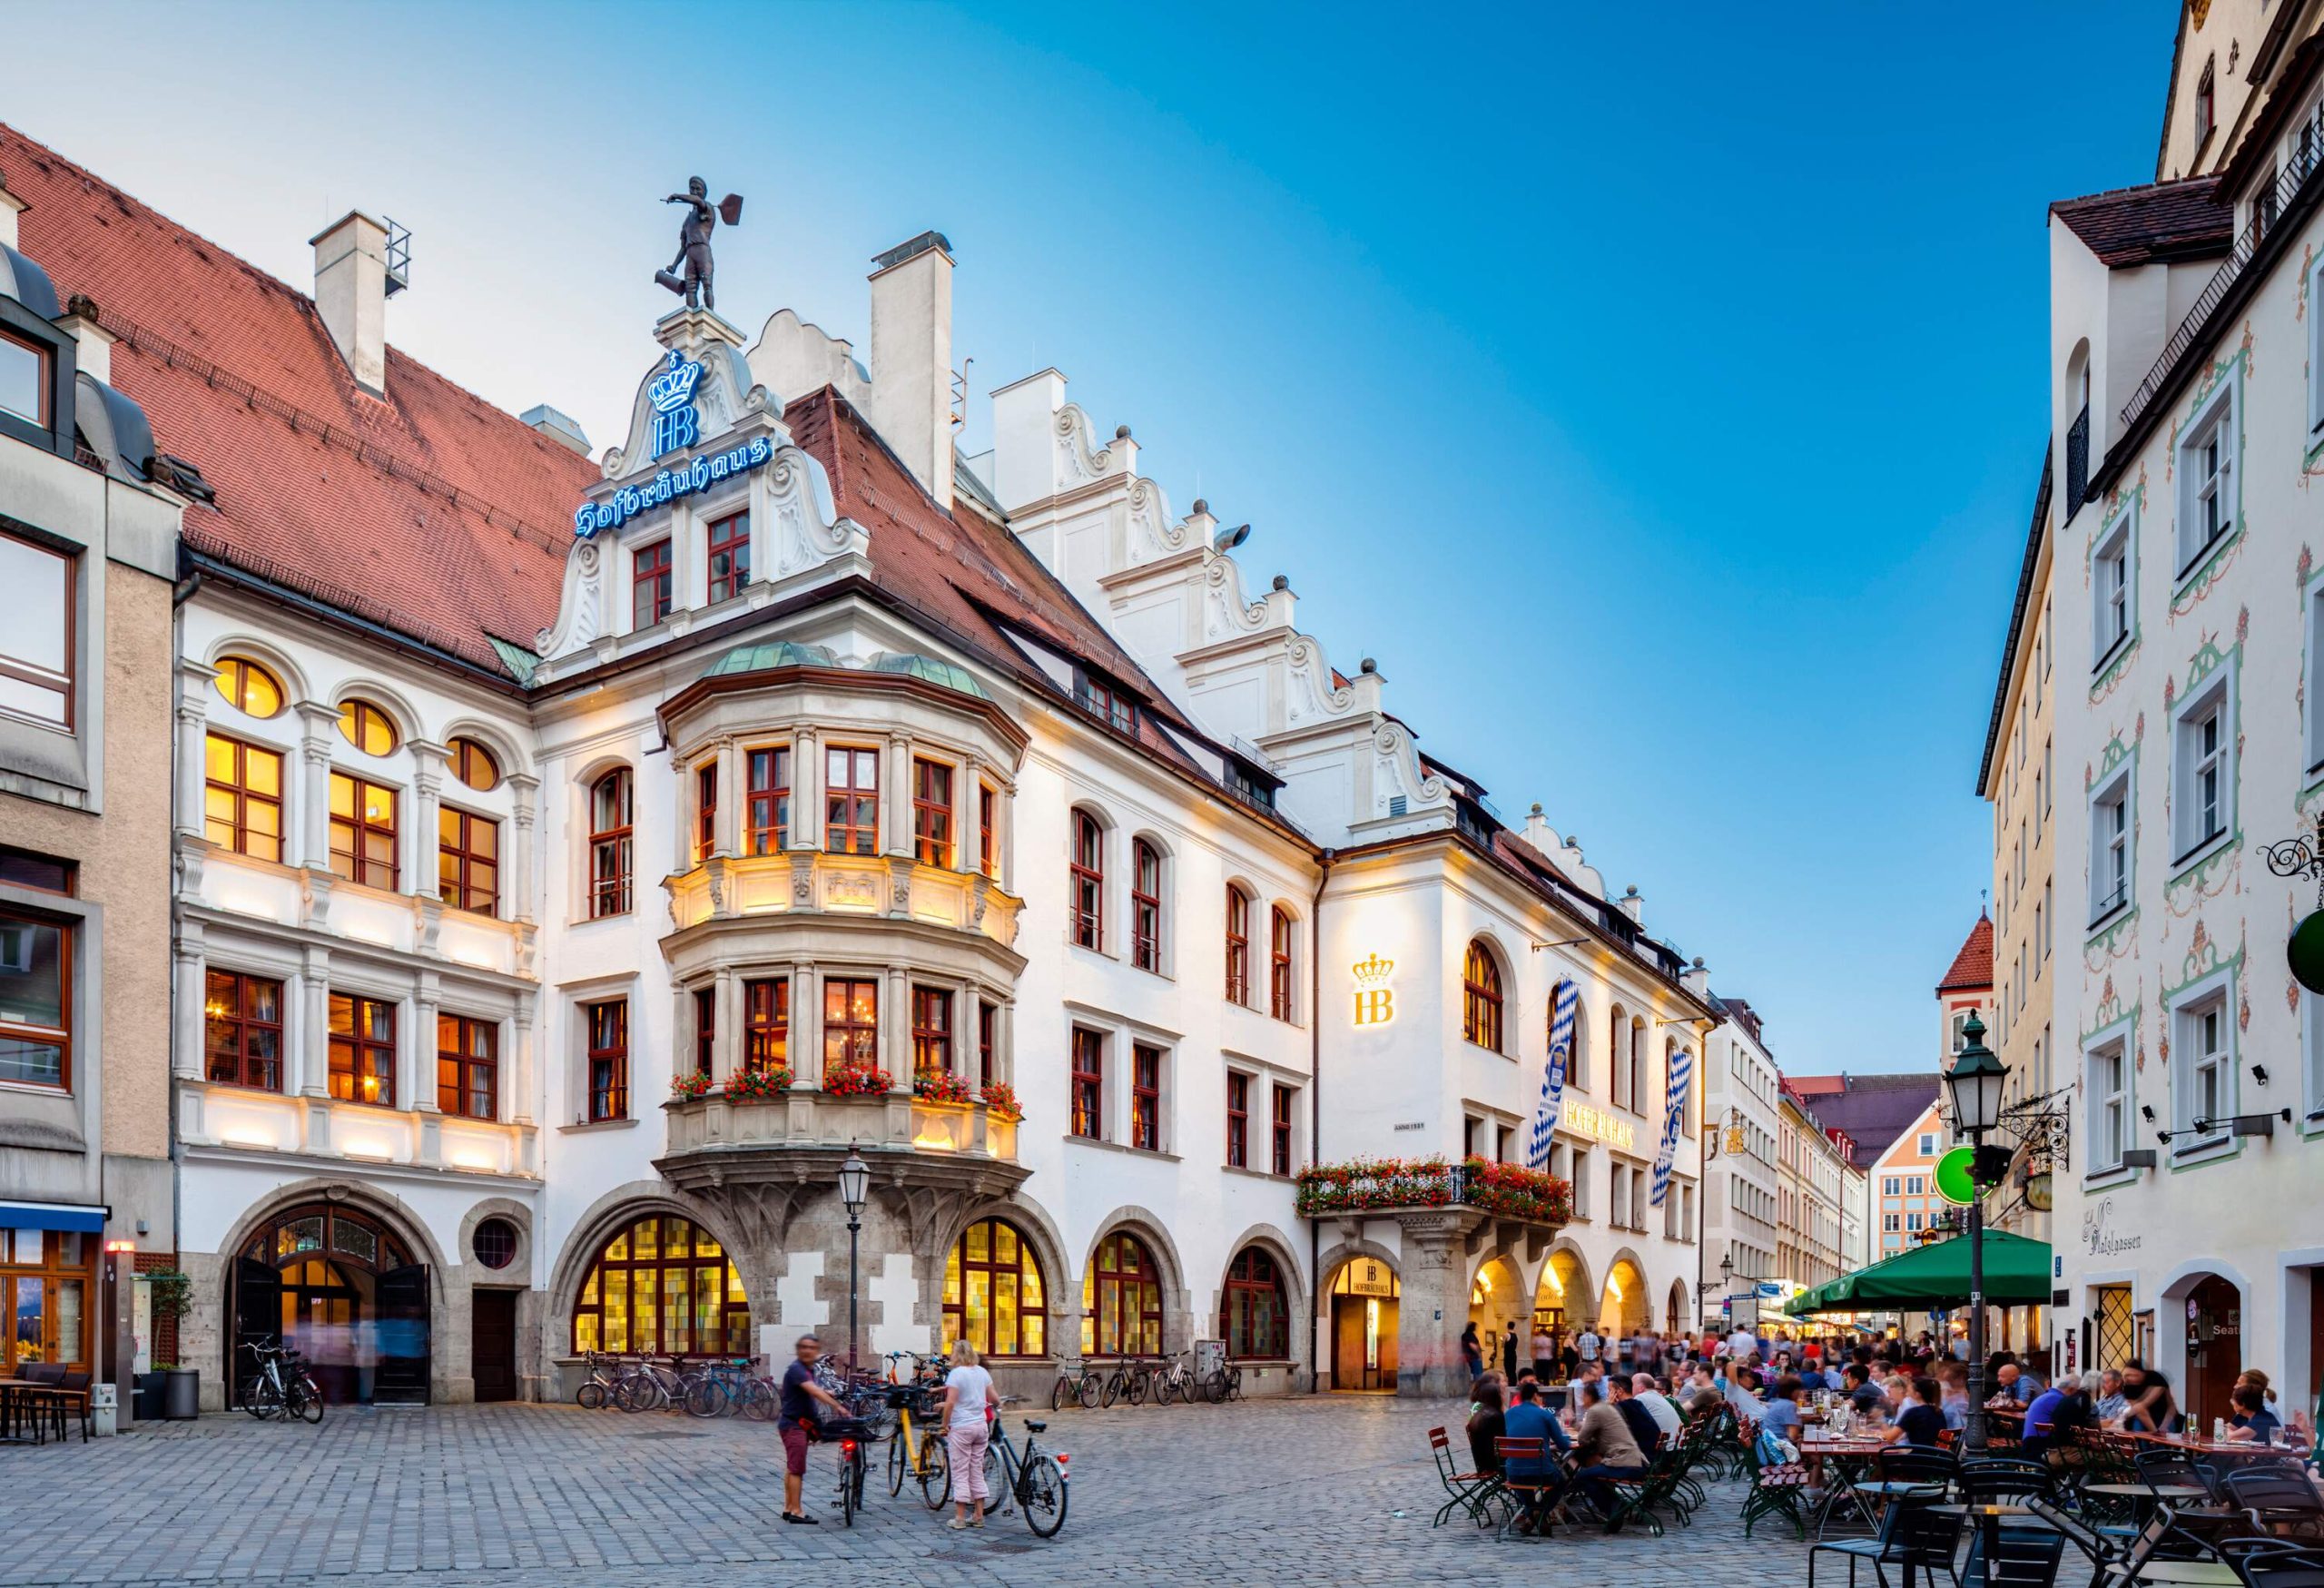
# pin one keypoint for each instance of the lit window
(363, 831)
(1146, 1097)
(248, 687)
(362, 1049)
(730, 555)
(241, 1031)
(609, 841)
(1088, 874)
(1121, 1300)
(1480, 998)
(931, 1032)
(1145, 906)
(1280, 1000)
(36, 999)
(850, 1025)
(766, 1027)
(607, 1025)
(368, 728)
(242, 797)
(474, 766)
(1089, 1084)
(36, 641)
(988, 830)
(705, 810)
(468, 1067)
(623, 1306)
(467, 860)
(1238, 945)
(931, 812)
(995, 1298)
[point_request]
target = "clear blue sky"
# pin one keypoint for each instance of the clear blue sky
(1657, 392)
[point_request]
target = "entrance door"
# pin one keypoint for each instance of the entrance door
(2214, 1351)
(258, 1320)
(403, 1335)
(493, 1345)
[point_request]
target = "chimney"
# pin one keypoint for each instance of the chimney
(1631, 905)
(912, 358)
(559, 428)
(351, 295)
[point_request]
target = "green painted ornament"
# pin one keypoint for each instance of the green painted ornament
(1954, 1181)
(2306, 952)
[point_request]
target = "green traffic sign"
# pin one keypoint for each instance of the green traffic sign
(1955, 1182)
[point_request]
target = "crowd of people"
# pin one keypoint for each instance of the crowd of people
(1604, 1408)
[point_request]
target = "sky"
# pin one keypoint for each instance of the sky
(1657, 392)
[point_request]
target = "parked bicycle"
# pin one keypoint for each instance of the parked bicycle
(1176, 1381)
(852, 1434)
(917, 1447)
(1078, 1383)
(1129, 1381)
(596, 1390)
(1031, 1479)
(283, 1385)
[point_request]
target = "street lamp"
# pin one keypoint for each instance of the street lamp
(1974, 1082)
(854, 1186)
(1726, 1282)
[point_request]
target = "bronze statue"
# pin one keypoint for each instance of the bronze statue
(694, 242)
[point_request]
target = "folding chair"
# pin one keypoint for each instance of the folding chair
(1527, 1496)
(1470, 1493)
(2282, 1497)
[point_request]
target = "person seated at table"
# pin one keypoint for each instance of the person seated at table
(1486, 1424)
(1781, 1417)
(1529, 1419)
(1956, 1400)
(1644, 1429)
(1490, 1378)
(2010, 1382)
(2152, 1410)
(2258, 1378)
(1810, 1376)
(1896, 1389)
(1922, 1421)
(2041, 1417)
(1603, 1449)
(1856, 1382)
(1743, 1394)
(2252, 1422)
(1658, 1405)
(2108, 1407)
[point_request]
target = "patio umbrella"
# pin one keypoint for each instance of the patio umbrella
(2017, 1274)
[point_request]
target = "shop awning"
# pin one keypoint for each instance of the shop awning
(2017, 1274)
(67, 1216)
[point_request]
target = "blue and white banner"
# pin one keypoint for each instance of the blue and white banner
(1562, 1003)
(1674, 1120)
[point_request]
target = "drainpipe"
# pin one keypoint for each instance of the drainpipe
(1315, 1119)
(182, 591)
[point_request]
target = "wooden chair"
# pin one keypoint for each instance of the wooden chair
(1529, 1496)
(1469, 1493)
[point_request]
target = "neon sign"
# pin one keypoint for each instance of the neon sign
(677, 424)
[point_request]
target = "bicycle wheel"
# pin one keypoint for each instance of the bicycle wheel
(1058, 1394)
(896, 1463)
(1041, 1489)
(849, 1489)
(1087, 1394)
(759, 1403)
(705, 1398)
(935, 1470)
(1113, 1388)
(266, 1396)
(1135, 1390)
(1234, 1383)
(1214, 1385)
(311, 1399)
(247, 1397)
(1166, 1389)
(636, 1392)
(590, 1397)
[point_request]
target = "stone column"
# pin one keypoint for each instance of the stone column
(193, 731)
(806, 791)
(896, 807)
(726, 1007)
(523, 1089)
(192, 996)
(428, 759)
(729, 837)
(415, 1064)
(682, 856)
(306, 1048)
(320, 724)
(519, 888)
(965, 853)
(967, 1021)
(806, 1026)
(895, 1028)
(1434, 1305)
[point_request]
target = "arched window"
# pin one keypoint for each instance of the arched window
(1238, 945)
(993, 1295)
(1638, 1063)
(1121, 1300)
(367, 727)
(1145, 906)
(662, 1285)
(1279, 997)
(1481, 997)
(1254, 1319)
(248, 687)
(474, 766)
(1575, 1074)
(609, 814)
(1088, 860)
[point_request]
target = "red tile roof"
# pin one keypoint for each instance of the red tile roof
(2164, 221)
(431, 512)
(1972, 967)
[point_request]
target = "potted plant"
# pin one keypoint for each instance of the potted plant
(175, 1392)
(857, 1081)
(758, 1086)
(1000, 1101)
(687, 1087)
(939, 1086)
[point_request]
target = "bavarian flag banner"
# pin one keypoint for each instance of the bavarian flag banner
(1562, 1005)
(1674, 1120)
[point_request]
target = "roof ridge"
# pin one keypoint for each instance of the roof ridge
(2208, 179)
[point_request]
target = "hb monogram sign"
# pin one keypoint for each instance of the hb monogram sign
(1375, 1000)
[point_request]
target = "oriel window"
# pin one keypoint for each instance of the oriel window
(770, 800)
(850, 800)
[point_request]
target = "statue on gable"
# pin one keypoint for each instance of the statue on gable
(694, 241)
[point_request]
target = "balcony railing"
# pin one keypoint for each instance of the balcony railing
(1367, 1185)
(2294, 179)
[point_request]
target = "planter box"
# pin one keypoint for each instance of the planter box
(181, 1395)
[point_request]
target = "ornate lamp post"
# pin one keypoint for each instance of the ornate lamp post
(1727, 1286)
(1974, 1082)
(854, 1188)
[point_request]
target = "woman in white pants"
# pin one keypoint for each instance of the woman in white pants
(967, 1400)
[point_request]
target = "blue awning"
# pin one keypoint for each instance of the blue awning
(52, 1216)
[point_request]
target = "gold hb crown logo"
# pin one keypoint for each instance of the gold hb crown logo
(1375, 1001)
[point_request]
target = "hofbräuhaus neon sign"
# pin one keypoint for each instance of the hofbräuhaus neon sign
(677, 424)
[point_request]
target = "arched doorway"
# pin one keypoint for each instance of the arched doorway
(1622, 1309)
(338, 1286)
(2214, 1349)
(1675, 1315)
(1365, 1295)
(1561, 1301)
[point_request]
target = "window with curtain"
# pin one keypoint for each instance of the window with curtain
(1480, 1006)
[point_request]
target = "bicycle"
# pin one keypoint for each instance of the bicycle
(921, 1451)
(1078, 1385)
(1233, 1382)
(716, 1389)
(854, 1466)
(1127, 1382)
(1176, 1381)
(1034, 1480)
(283, 1387)
(596, 1391)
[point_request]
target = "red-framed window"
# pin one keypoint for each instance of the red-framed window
(242, 1030)
(1480, 998)
(931, 812)
(931, 1031)
(649, 584)
(1279, 1130)
(988, 830)
(1238, 945)
(1103, 701)
(367, 728)
(995, 1296)
(1280, 1002)
(1254, 1319)
(1145, 906)
(608, 1027)
(1088, 867)
(730, 555)
(363, 831)
(610, 817)
(467, 860)
(663, 1286)
(705, 810)
(769, 799)
(1238, 1120)
(468, 1067)
(1146, 1097)
(766, 1025)
(850, 800)
(850, 1024)
(37, 646)
(1088, 1096)
(1121, 1300)
(706, 1029)
(473, 766)
(987, 1034)
(242, 797)
(362, 1049)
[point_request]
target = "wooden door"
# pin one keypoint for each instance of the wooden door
(493, 1345)
(403, 1335)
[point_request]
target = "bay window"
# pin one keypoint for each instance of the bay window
(36, 643)
(36, 999)
(931, 812)
(770, 800)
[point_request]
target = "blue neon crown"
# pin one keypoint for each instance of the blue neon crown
(674, 387)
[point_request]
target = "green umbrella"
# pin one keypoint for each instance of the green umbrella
(2017, 1274)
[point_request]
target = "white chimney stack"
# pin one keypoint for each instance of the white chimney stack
(11, 206)
(351, 295)
(912, 358)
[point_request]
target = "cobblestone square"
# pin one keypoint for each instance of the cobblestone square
(1308, 1491)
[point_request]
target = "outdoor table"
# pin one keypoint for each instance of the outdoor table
(11, 1409)
(2158, 1492)
(1848, 1458)
(1988, 1518)
(2188, 1574)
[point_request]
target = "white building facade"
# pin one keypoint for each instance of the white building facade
(1741, 1127)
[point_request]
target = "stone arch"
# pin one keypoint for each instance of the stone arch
(2188, 1356)
(597, 1225)
(1678, 1312)
(1625, 1303)
(387, 698)
(1179, 1322)
(505, 749)
(1336, 1258)
(1061, 1280)
(1565, 1286)
(1298, 1295)
(362, 1198)
(276, 660)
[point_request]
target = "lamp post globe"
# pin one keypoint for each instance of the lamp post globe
(1974, 1087)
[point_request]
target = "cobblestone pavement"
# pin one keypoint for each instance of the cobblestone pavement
(1305, 1491)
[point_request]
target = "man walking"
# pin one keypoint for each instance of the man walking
(796, 1420)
